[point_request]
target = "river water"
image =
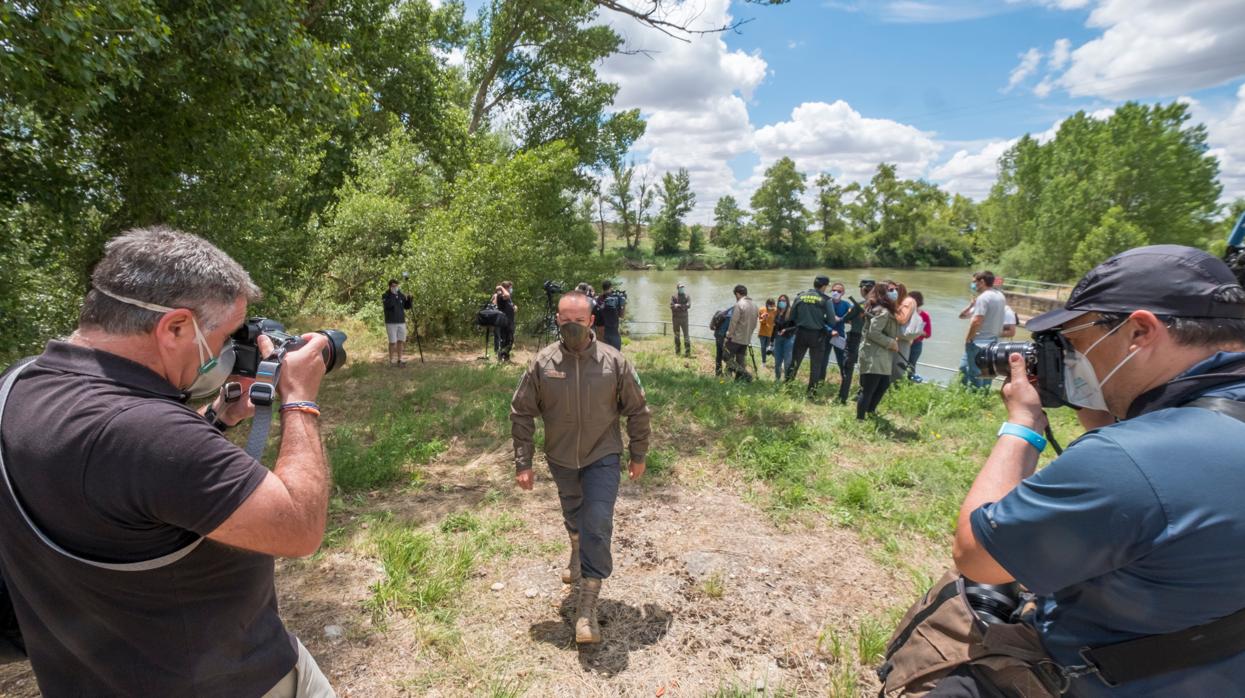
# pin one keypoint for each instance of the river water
(946, 294)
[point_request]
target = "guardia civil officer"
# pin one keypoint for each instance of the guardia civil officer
(811, 311)
(579, 386)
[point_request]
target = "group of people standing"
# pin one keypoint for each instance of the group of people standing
(883, 333)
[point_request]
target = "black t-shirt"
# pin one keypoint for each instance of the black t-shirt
(506, 305)
(396, 305)
(112, 466)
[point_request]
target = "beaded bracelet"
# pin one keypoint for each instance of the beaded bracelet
(307, 407)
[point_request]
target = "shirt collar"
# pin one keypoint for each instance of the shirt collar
(96, 363)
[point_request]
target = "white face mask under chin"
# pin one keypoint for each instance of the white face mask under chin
(1080, 382)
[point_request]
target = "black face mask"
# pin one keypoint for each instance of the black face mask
(574, 335)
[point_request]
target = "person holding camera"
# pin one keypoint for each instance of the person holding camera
(395, 303)
(611, 308)
(579, 387)
(1133, 535)
(986, 323)
(503, 338)
(136, 541)
(680, 304)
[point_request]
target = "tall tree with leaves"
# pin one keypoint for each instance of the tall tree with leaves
(677, 200)
(779, 211)
(728, 221)
(829, 206)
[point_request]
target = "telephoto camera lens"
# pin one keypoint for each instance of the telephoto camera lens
(992, 361)
(992, 603)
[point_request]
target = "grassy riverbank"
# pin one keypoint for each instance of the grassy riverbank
(767, 551)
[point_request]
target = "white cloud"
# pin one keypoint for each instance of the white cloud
(1155, 48)
(1060, 53)
(835, 137)
(972, 173)
(1029, 62)
(693, 95)
(1226, 137)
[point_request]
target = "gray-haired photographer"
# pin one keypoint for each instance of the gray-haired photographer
(136, 542)
(1116, 569)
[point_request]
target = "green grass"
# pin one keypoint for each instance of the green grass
(393, 425)
(425, 570)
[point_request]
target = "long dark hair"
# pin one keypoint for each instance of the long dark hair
(785, 312)
(878, 299)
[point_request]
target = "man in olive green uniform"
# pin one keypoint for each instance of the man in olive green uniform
(812, 313)
(580, 386)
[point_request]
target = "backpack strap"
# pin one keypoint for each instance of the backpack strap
(1222, 405)
(146, 565)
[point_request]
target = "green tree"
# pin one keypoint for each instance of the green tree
(677, 200)
(1146, 160)
(1113, 235)
(779, 212)
(829, 206)
(696, 239)
(728, 221)
(630, 199)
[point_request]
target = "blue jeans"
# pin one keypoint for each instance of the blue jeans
(588, 495)
(914, 355)
(765, 342)
(970, 375)
(782, 354)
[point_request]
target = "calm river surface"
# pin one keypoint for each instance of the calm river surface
(946, 294)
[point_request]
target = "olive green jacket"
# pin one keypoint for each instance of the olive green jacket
(881, 329)
(579, 395)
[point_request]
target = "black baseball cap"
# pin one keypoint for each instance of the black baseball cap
(1168, 280)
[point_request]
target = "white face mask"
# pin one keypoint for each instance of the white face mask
(213, 371)
(1080, 382)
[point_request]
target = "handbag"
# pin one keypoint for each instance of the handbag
(12, 644)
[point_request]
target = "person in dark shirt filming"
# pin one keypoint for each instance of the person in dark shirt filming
(395, 303)
(111, 466)
(611, 308)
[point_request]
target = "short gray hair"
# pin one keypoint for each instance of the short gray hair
(166, 267)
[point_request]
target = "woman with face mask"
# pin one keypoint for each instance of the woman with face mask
(879, 348)
(784, 336)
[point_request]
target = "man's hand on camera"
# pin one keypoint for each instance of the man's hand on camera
(303, 369)
(1024, 406)
(524, 479)
(231, 413)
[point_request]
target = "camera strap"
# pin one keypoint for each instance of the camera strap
(143, 566)
(263, 393)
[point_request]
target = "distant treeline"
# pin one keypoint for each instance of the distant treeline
(1099, 186)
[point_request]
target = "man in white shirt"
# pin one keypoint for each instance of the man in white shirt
(988, 312)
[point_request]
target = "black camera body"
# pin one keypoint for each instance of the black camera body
(246, 347)
(1043, 362)
(554, 287)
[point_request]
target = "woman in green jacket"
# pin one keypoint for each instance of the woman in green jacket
(879, 348)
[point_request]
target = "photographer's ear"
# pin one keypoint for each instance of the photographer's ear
(1145, 328)
(174, 328)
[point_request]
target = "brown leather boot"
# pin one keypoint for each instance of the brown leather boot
(587, 631)
(571, 574)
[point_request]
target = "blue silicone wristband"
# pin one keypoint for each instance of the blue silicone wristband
(1035, 439)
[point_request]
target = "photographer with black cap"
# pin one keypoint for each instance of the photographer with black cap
(1134, 534)
(137, 542)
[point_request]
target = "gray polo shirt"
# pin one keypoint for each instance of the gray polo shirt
(991, 306)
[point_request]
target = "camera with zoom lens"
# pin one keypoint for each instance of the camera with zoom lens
(1043, 362)
(554, 287)
(993, 603)
(246, 347)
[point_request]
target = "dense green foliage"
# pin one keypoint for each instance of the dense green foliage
(324, 145)
(1140, 176)
(677, 201)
